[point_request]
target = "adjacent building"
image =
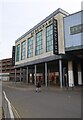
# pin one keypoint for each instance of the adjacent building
(73, 35)
(51, 51)
(7, 71)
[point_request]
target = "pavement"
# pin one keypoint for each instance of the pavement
(51, 102)
(24, 86)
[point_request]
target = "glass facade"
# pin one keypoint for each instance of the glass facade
(72, 38)
(17, 52)
(49, 38)
(30, 47)
(38, 43)
(23, 50)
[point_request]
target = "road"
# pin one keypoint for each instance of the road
(49, 103)
(0, 100)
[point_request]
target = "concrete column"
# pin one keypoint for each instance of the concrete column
(15, 75)
(24, 75)
(60, 73)
(70, 74)
(46, 75)
(20, 74)
(79, 75)
(35, 74)
(61, 46)
(27, 75)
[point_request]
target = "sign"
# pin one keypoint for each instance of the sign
(55, 36)
(76, 29)
(13, 55)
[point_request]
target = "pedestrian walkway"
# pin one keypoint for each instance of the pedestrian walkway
(25, 86)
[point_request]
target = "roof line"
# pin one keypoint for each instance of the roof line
(44, 20)
(74, 13)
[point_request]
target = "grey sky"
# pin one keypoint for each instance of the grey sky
(18, 16)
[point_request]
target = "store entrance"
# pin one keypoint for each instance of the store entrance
(53, 78)
(53, 73)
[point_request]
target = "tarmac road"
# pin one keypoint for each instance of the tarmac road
(0, 100)
(49, 103)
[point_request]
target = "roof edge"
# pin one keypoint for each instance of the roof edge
(59, 10)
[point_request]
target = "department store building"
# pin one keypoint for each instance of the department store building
(52, 51)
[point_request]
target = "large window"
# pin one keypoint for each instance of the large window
(39, 43)
(49, 38)
(17, 52)
(23, 50)
(30, 47)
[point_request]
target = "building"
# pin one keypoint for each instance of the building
(73, 27)
(7, 71)
(43, 52)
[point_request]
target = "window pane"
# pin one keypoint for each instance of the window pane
(17, 52)
(23, 50)
(39, 43)
(30, 47)
(49, 38)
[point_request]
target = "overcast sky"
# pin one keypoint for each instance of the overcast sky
(18, 16)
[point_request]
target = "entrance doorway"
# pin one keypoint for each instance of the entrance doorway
(53, 78)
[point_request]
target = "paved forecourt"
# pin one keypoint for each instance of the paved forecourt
(51, 102)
